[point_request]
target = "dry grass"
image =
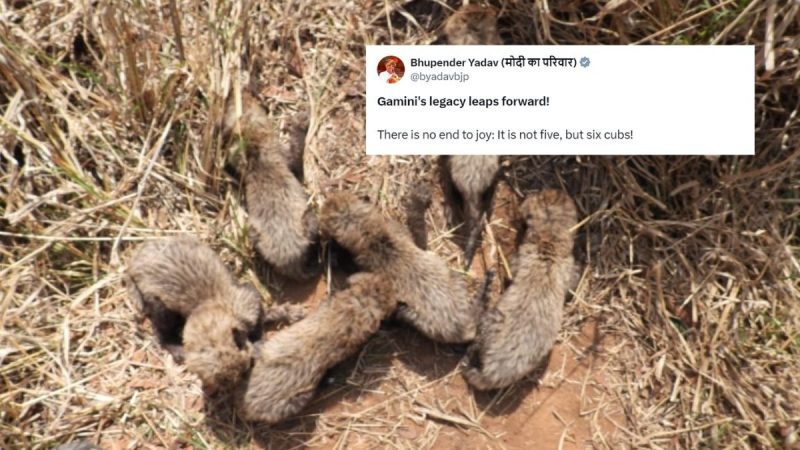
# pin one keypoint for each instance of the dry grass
(109, 135)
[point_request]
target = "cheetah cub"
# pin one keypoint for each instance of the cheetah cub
(202, 315)
(282, 227)
(289, 366)
(517, 334)
(473, 25)
(473, 177)
(431, 297)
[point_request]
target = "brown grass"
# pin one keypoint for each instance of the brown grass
(109, 134)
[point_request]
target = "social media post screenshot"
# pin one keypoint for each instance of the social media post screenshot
(592, 100)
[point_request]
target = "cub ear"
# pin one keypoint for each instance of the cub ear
(239, 338)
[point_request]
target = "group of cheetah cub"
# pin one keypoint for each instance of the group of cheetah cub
(214, 325)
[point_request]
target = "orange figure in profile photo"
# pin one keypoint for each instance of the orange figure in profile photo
(391, 69)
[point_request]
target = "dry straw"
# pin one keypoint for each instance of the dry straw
(109, 134)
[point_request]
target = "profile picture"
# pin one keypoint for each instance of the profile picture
(391, 69)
